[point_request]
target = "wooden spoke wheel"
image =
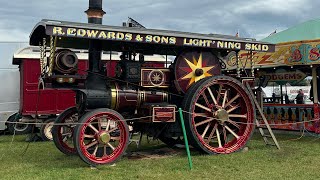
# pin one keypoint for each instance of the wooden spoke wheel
(63, 134)
(101, 137)
(192, 66)
(221, 118)
(46, 130)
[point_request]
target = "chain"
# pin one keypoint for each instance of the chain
(42, 55)
(53, 43)
(238, 65)
(252, 63)
(41, 58)
(45, 63)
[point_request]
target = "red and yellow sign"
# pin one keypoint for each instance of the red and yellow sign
(286, 54)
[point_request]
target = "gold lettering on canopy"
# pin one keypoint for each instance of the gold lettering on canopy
(228, 45)
(57, 31)
(197, 42)
(154, 39)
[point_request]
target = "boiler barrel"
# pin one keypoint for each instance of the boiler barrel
(118, 97)
(125, 98)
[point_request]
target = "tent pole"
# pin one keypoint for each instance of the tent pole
(314, 84)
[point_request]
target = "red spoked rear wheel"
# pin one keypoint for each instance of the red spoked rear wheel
(221, 115)
(101, 137)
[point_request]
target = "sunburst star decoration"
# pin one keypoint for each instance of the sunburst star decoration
(156, 77)
(196, 65)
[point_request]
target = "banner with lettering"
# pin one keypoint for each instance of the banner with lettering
(157, 38)
(286, 54)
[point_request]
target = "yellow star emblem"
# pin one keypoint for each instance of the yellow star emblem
(197, 66)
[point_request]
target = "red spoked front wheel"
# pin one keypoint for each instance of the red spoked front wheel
(101, 137)
(220, 117)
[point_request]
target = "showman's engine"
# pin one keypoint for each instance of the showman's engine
(143, 96)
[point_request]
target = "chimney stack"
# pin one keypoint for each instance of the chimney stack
(95, 12)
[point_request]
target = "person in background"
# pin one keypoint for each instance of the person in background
(286, 99)
(300, 97)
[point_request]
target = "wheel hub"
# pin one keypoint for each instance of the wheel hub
(198, 72)
(104, 137)
(222, 115)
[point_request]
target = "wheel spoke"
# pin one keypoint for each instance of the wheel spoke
(224, 134)
(110, 145)
(95, 150)
(72, 126)
(93, 128)
(205, 130)
(91, 144)
(65, 139)
(231, 101)
(88, 136)
(205, 99)
(66, 134)
(99, 124)
(203, 107)
(108, 125)
(219, 92)
(233, 108)
(232, 132)
(212, 133)
(115, 138)
(218, 138)
(234, 123)
(224, 99)
(212, 97)
(238, 116)
(104, 150)
(200, 114)
(113, 129)
(205, 121)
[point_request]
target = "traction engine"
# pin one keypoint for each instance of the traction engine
(218, 112)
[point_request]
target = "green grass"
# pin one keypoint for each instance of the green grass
(298, 159)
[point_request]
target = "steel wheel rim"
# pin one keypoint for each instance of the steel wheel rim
(65, 132)
(103, 138)
(217, 133)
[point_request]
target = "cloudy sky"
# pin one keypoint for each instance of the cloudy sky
(253, 18)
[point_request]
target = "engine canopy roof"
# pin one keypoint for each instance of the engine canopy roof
(147, 41)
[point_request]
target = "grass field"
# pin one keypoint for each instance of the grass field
(298, 159)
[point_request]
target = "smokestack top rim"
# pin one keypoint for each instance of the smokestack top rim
(94, 10)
